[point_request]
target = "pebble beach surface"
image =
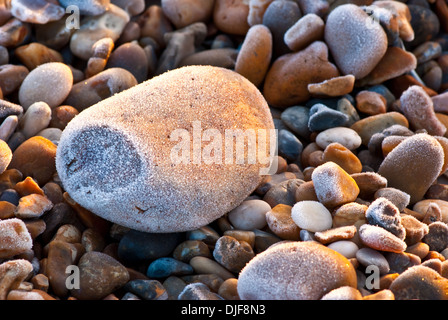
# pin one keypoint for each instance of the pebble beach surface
(94, 207)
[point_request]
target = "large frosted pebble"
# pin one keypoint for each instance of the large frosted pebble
(420, 283)
(251, 214)
(345, 247)
(255, 54)
(295, 271)
(126, 158)
(14, 238)
(420, 153)
(50, 82)
(384, 213)
(380, 239)
(333, 185)
(357, 43)
(311, 216)
(342, 135)
(343, 293)
(418, 108)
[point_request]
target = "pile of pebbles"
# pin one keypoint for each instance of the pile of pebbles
(358, 206)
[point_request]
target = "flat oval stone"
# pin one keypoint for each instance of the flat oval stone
(231, 16)
(323, 118)
(150, 160)
(130, 56)
(356, 44)
(368, 126)
(185, 12)
(419, 153)
(345, 247)
(347, 137)
(50, 82)
(167, 266)
(255, 54)
(380, 239)
(296, 119)
(250, 214)
(368, 256)
(343, 157)
(305, 31)
(273, 274)
(311, 216)
(279, 220)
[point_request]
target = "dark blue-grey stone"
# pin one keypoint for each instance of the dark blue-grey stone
(279, 17)
(323, 118)
(147, 289)
(289, 146)
(136, 246)
(10, 195)
(425, 24)
(296, 119)
(165, 267)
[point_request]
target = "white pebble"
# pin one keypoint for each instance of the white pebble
(347, 248)
(311, 216)
(349, 138)
(249, 215)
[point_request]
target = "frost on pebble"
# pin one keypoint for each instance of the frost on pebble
(295, 271)
(333, 185)
(311, 216)
(12, 273)
(36, 11)
(418, 108)
(118, 158)
(356, 41)
(420, 153)
(14, 238)
(385, 214)
(380, 239)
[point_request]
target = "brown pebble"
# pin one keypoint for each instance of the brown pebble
(232, 254)
(335, 234)
(334, 87)
(61, 116)
(349, 214)
(421, 283)
(7, 210)
(280, 222)
(12, 273)
(32, 206)
(380, 239)
(34, 54)
(27, 187)
(40, 282)
(437, 236)
(420, 249)
(14, 238)
(255, 54)
(230, 16)
(228, 289)
(342, 156)
(371, 103)
(43, 151)
(287, 80)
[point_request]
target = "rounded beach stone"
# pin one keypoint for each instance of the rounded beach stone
(384, 213)
(420, 153)
(12, 273)
(43, 153)
(342, 156)
(311, 216)
(437, 237)
(345, 247)
(14, 238)
(418, 108)
(279, 220)
(420, 283)
(131, 57)
(347, 137)
(334, 87)
(255, 54)
(380, 239)
(368, 256)
(273, 274)
(185, 12)
(343, 293)
(305, 31)
(232, 254)
(50, 82)
(250, 214)
(230, 16)
(356, 44)
(153, 193)
(99, 275)
(333, 185)
(286, 83)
